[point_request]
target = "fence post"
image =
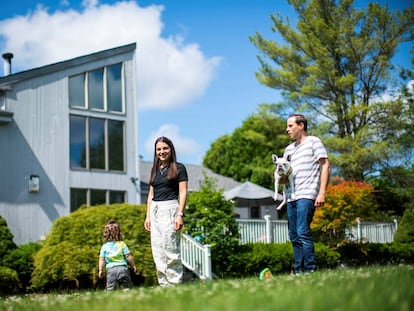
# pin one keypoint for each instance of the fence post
(268, 228)
(207, 259)
(359, 230)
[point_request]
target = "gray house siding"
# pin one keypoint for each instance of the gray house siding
(36, 143)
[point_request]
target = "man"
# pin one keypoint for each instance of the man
(310, 170)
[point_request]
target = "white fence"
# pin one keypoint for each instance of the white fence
(197, 257)
(263, 231)
(374, 232)
(267, 230)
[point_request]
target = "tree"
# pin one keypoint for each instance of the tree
(405, 231)
(337, 65)
(246, 154)
(394, 190)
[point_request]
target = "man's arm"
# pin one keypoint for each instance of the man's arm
(324, 178)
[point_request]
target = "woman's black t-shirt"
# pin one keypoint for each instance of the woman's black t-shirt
(165, 189)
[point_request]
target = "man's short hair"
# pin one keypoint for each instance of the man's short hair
(300, 118)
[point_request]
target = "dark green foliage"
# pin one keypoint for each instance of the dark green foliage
(276, 257)
(6, 239)
(21, 259)
(405, 231)
(394, 191)
(253, 258)
(210, 219)
(69, 257)
(326, 257)
(364, 254)
(9, 281)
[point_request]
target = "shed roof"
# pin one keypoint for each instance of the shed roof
(195, 176)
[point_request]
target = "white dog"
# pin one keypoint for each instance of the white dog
(283, 172)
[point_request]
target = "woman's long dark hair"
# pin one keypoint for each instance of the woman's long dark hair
(173, 169)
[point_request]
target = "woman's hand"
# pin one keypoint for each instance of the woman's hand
(179, 223)
(147, 223)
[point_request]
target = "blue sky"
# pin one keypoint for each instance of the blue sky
(196, 65)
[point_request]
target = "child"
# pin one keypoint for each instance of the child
(115, 255)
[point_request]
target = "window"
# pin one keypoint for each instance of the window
(116, 197)
(97, 197)
(77, 198)
(254, 212)
(97, 144)
(77, 91)
(115, 147)
(100, 89)
(95, 89)
(77, 142)
(91, 197)
(114, 87)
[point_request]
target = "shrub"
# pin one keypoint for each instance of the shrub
(69, 257)
(9, 281)
(363, 254)
(21, 259)
(278, 257)
(405, 231)
(6, 239)
(345, 202)
(210, 219)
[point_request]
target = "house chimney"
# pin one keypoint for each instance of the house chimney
(7, 63)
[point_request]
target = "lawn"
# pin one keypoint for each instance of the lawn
(369, 288)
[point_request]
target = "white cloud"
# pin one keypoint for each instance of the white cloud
(183, 146)
(170, 72)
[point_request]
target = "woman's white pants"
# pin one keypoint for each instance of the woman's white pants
(165, 242)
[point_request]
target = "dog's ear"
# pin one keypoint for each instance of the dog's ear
(274, 158)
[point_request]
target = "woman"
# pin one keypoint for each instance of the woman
(165, 211)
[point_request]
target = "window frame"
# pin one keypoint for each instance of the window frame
(105, 86)
(88, 195)
(107, 152)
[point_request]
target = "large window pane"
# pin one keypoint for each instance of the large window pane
(114, 87)
(116, 197)
(116, 145)
(77, 142)
(77, 91)
(98, 197)
(77, 198)
(96, 143)
(95, 89)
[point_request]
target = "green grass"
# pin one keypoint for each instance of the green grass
(370, 288)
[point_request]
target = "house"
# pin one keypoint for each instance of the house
(245, 209)
(68, 137)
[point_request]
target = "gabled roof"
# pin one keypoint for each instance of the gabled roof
(36, 72)
(195, 176)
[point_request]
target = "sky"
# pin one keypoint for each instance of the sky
(195, 63)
